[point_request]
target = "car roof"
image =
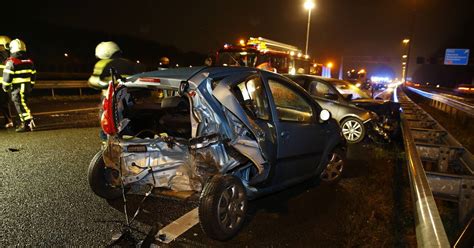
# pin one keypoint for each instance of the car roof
(171, 78)
(183, 73)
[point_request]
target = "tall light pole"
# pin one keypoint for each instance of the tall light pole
(309, 5)
(408, 42)
(406, 57)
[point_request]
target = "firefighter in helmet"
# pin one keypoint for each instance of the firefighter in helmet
(19, 78)
(110, 56)
(4, 98)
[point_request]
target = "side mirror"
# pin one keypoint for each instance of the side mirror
(324, 115)
(330, 96)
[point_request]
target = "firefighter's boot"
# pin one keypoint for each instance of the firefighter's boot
(25, 126)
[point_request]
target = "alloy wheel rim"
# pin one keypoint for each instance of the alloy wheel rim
(231, 207)
(352, 130)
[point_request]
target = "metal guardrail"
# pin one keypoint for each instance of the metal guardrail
(448, 177)
(461, 106)
(62, 84)
(429, 228)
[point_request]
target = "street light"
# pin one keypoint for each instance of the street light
(309, 5)
(406, 42)
(330, 65)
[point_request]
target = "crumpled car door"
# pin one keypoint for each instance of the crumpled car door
(253, 149)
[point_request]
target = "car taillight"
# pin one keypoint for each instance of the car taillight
(107, 119)
(150, 80)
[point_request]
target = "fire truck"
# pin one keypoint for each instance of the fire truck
(266, 54)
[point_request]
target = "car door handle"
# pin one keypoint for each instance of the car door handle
(285, 135)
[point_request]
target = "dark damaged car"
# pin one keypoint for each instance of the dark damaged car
(222, 135)
(346, 101)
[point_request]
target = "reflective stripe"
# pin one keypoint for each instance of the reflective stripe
(21, 80)
(2, 66)
(27, 115)
(95, 81)
(32, 82)
(20, 71)
(23, 71)
(100, 65)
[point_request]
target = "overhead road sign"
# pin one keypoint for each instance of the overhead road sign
(455, 56)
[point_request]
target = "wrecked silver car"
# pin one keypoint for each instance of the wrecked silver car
(357, 113)
(225, 135)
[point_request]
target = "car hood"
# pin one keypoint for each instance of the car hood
(381, 107)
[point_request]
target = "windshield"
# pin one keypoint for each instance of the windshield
(346, 89)
(237, 58)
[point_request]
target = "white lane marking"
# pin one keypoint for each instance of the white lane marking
(179, 226)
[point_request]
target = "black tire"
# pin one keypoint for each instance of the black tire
(222, 207)
(352, 127)
(97, 179)
(334, 168)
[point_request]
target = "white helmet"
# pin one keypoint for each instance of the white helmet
(5, 41)
(17, 45)
(106, 49)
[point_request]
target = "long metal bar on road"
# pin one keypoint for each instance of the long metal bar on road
(465, 107)
(429, 227)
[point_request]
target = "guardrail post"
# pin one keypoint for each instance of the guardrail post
(443, 159)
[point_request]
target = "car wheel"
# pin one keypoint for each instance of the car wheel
(332, 173)
(353, 130)
(222, 207)
(99, 178)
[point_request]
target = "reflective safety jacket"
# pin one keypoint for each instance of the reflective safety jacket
(3, 58)
(3, 96)
(19, 69)
(101, 76)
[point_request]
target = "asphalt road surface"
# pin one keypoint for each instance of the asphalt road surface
(46, 200)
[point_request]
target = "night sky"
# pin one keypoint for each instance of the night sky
(338, 27)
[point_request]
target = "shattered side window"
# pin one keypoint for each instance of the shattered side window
(251, 96)
(289, 104)
(320, 89)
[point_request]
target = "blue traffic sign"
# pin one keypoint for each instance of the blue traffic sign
(456, 56)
